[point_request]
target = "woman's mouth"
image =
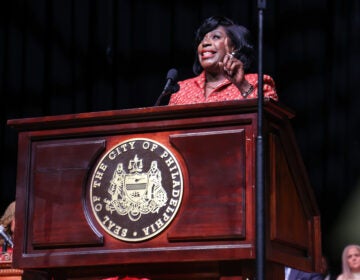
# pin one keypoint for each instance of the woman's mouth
(207, 54)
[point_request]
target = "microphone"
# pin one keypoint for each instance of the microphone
(171, 78)
(6, 237)
(171, 85)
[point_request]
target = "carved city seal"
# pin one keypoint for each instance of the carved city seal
(136, 189)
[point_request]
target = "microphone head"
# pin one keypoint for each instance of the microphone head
(172, 74)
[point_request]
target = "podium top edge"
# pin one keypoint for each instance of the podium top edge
(150, 113)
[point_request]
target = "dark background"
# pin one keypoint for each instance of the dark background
(73, 56)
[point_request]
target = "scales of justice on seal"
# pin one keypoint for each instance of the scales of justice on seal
(162, 193)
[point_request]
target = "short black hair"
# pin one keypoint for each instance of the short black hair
(238, 34)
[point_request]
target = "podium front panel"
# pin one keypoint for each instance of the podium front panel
(68, 212)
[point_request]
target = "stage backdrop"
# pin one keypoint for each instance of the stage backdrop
(72, 56)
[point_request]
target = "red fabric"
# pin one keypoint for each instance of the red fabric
(6, 256)
(193, 90)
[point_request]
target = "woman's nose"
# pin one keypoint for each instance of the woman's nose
(206, 41)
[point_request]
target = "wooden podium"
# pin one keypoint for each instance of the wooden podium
(62, 161)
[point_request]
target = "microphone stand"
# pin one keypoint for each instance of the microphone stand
(167, 91)
(160, 97)
(260, 187)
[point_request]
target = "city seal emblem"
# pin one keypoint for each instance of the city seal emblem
(136, 189)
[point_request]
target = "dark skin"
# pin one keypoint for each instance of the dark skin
(215, 57)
